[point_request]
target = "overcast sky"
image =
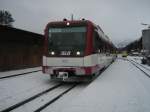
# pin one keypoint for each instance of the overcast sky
(119, 19)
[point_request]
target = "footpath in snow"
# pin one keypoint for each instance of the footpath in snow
(120, 88)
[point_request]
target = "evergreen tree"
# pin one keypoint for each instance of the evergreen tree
(6, 18)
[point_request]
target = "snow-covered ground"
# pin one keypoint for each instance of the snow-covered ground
(64, 101)
(58, 105)
(16, 89)
(120, 88)
(138, 60)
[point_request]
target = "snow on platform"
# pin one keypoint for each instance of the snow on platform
(13, 72)
(120, 88)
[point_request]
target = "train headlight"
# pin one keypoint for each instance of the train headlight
(52, 53)
(68, 23)
(78, 53)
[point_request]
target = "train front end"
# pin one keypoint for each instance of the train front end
(65, 49)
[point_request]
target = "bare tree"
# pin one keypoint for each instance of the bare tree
(6, 18)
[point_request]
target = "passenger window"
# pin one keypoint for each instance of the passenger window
(96, 42)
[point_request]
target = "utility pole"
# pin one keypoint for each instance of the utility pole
(71, 17)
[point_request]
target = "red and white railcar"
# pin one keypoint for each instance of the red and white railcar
(75, 50)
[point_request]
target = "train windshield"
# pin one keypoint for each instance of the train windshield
(67, 39)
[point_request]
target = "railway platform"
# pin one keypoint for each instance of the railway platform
(17, 72)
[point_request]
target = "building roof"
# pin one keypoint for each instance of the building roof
(12, 29)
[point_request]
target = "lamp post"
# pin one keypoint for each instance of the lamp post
(148, 25)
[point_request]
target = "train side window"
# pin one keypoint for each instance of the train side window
(96, 41)
(101, 46)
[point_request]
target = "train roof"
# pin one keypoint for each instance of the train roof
(71, 22)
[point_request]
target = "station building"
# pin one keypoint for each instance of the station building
(19, 49)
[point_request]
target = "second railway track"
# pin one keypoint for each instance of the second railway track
(140, 68)
(140, 65)
(41, 107)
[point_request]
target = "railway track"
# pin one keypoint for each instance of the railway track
(28, 100)
(140, 67)
(55, 99)
(15, 75)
